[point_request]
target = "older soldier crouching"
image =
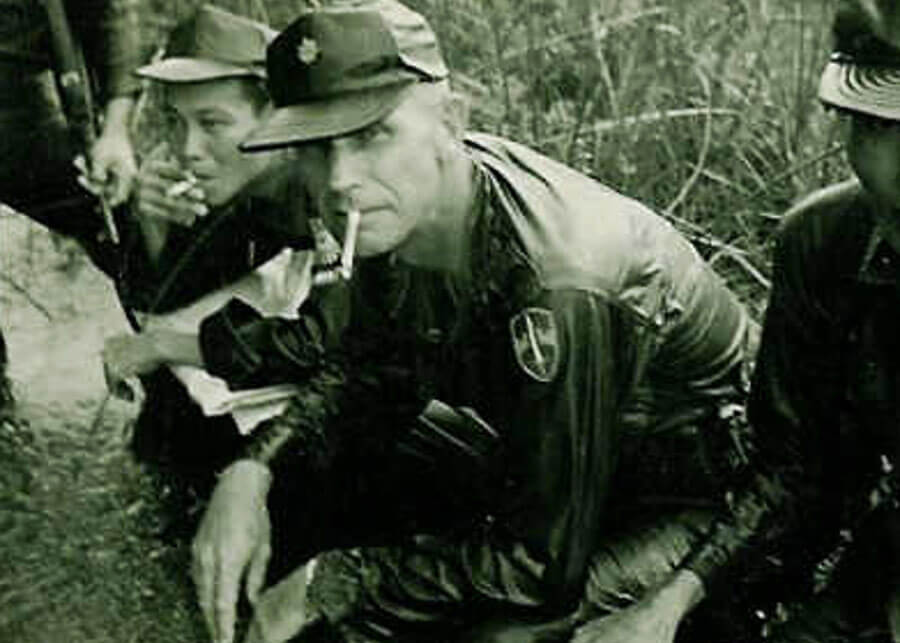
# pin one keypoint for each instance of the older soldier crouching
(536, 371)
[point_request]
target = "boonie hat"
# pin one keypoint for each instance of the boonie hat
(863, 74)
(210, 45)
(338, 69)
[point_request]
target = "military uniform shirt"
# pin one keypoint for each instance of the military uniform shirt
(587, 342)
(826, 390)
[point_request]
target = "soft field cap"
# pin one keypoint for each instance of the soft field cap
(339, 69)
(212, 44)
(863, 74)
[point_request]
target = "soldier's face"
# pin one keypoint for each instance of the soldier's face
(210, 119)
(389, 171)
(874, 152)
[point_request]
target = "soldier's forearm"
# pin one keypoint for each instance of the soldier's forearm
(682, 592)
(176, 348)
(117, 116)
(761, 502)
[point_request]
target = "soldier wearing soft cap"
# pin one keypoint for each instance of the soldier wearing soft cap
(550, 359)
(216, 267)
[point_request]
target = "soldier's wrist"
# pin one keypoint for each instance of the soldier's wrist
(117, 113)
(681, 593)
(251, 473)
(172, 347)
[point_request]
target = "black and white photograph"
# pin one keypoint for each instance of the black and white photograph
(449, 321)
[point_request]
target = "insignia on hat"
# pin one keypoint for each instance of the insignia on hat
(308, 51)
(536, 343)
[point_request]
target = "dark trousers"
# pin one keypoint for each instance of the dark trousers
(852, 607)
(410, 593)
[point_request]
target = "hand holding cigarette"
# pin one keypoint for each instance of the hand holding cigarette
(166, 191)
(183, 186)
(343, 268)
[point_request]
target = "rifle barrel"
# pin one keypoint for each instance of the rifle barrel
(75, 91)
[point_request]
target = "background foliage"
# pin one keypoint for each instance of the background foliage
(704, 109)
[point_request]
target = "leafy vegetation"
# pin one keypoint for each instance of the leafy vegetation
(706, 110)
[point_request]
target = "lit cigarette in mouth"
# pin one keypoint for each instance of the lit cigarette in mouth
(182, 187)
(350, 234)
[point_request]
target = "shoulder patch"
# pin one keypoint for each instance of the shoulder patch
(536, 343)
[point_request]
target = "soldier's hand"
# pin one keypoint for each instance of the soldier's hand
(124, 358)
(112, 167)
(232, 544)
(653, 619)
(166, 192)
(281, 611)
(635, 623)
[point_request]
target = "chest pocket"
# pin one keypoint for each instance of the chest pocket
(873, 371)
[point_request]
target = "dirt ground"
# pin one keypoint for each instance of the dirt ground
(83, 555)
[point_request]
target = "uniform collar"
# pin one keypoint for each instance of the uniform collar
(501, 271)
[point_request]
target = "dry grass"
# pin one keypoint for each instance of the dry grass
(706, 110)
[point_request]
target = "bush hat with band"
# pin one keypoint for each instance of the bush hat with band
(342, 68)
(863, 74)
(211, 45)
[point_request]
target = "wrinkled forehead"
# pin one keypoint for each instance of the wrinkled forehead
(420, 107)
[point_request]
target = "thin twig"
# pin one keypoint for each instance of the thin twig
(700, 236)
(748, 267)
(738, 255)
(586, 106)
(831, 151)
(608, 125)
(704, 150)
(498, 43)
